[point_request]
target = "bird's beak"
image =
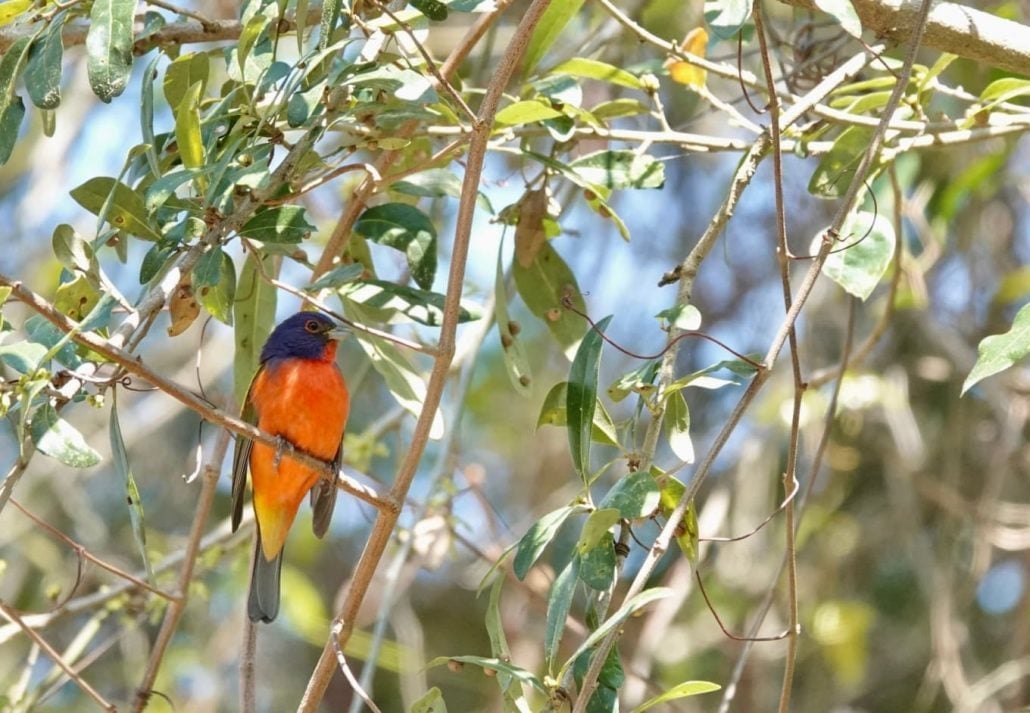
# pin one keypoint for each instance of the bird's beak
(339, 332)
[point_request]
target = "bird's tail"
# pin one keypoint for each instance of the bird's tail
(263, 602)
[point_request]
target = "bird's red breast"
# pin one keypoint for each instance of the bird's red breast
(306, 402)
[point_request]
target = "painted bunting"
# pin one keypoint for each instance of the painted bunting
(299, 395)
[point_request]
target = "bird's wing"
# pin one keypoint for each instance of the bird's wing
(241, 460)
(323, 496)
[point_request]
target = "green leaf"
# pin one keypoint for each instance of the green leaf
(532, 544)
(495, 629)
(682, 690)
(23, 357)
(282, 224)
(618, 108)
(76, 297)
(146, 114)
(182, 74)
(254, 315)
(72, 251)
(404, 383)
(558, 604)
(594, 69)
(433, 9)
(686, 531)
(833, 174)
(620, 169)
(595, 528)
(215, 284)
(431, 702)
(685, 317)
(10, 122)
(862, 254)
(40, 331)
(431, 183)
(844, 13)
(43, 71)
(1000, 351)
(727, 17)
(1005, 89)
(122, 467)
(525, 112)
(125, 209)
(581, 397)
(615, 620)
(636, 496)
(516, 359)
(542, 284)
(187, 131)
(405, 228)
(553, 413)
(677, 427)
(337, 277)
(109, 47)
(597, 565)
(552, 22)
(394, 303)
(330, 16)
(58, 439)
(639, 380)
(493, 665)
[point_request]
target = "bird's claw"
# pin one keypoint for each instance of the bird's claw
(280, 446)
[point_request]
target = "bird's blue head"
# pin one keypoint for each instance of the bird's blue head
(305, 335)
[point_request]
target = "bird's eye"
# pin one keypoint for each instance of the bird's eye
(312, 326)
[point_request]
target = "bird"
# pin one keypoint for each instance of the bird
(300, 396)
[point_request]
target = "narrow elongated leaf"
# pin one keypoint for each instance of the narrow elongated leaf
(542, 286)
(10, 122)
(525, 112)
(43, 71)
(833, 174)
(581, 397)
(183, 73)
(516, 359)
(595, 69)
(405, 228)
(282, 224)
(677, 427)
(146, 114)
(433, 9)
(615, 620)
(431, 702)
(121, 465)
(553, 413)
(635, 496)
(125, 208)
(58, 439)
(187, 131)
(109, 47)
(337, 277)
(393, 303)
(1000, 351)
(620, 169)
(558, 604)
(330, 16)
(254, 315)
(23, 357)
(867, 244)
(11, 63)
(532, 544)
(215, 285)
(682, 690)
(553, 21)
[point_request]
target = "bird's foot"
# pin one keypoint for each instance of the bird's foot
(280, 446)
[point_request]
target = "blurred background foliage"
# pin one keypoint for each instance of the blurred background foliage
(911, 554)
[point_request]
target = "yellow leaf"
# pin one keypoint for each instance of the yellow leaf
(684, 72)
(10, 10)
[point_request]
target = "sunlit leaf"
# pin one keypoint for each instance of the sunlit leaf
(525, 112)
(214, 281)
(187, 131)
(23, 357)
(550, 26)
(11, 9)
(433, 9)
(494, 665)
(682, 690)
(727, 17)
(281, 224)
(58, 439)
(1000, 351)
(833, 174)
(620, 169)
(125, 209)
(254, 317)
(581, 397)
(595, 528)
(595, 69)
(553, 413)
(330, 16)
(183, 308)
(636, 496)
(865, 251)
(532, 544)
(516, 359)
(109, 47)
(677, 427)
(187, 70)
(337, 277)
(431, 702)
(43, 70)
(405, 228)
(695, 43)
(393, 303)
(844, 13)
(686, 533)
